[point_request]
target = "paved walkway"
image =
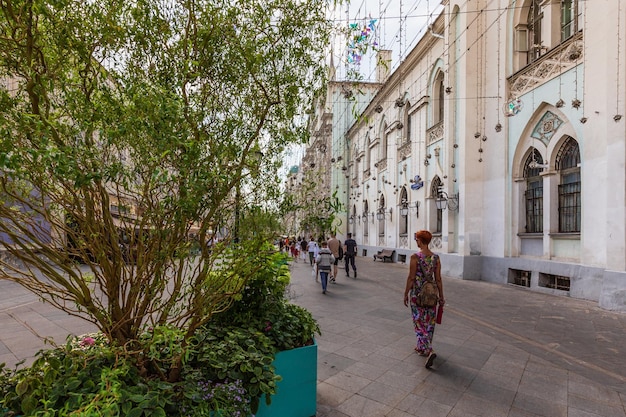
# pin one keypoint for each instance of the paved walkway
(502, 350)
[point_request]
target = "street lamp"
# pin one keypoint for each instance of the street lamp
(443, 201)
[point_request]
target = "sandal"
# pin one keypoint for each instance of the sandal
(430, 360)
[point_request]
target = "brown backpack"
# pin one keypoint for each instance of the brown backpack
(429, 294)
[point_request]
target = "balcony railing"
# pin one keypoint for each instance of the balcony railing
(435, 133)
(550, 65)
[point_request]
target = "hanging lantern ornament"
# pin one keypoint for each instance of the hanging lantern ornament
(513, 107)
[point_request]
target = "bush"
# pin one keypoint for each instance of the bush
(227, 364)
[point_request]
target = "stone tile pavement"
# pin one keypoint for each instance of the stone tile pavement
(502, 350)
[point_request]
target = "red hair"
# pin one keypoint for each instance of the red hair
(424, 235)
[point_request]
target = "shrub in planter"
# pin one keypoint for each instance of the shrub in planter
(227, 363)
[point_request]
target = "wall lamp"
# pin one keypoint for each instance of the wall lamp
(443, 201)
(365, 216)
(381, 213)
(351, 219)
(406, 208)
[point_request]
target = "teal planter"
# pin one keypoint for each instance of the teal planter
(296, 394)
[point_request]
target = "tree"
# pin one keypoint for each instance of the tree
(310, 206)
(125, 127)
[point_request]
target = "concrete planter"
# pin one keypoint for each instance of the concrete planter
(296, 394)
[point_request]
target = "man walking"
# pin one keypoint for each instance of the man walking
(349, 254)
(334, 244)
(313, 249)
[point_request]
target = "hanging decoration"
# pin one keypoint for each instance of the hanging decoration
(417, 183)
(360, 39)
(513, 107)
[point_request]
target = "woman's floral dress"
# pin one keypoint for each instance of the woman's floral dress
(423, 317)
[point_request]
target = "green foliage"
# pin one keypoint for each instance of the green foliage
(123, 126)
(226, 365)
(100, 380)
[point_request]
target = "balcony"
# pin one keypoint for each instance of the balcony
(550, 65)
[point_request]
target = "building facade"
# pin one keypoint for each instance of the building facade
(502, 132)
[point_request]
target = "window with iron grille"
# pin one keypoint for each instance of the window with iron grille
(534, 208)
(534, 193)
(567, 163)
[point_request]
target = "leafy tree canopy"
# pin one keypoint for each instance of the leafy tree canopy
(126, 127)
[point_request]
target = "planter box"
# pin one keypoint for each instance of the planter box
(296, 394)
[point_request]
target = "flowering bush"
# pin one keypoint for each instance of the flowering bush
(88, 341)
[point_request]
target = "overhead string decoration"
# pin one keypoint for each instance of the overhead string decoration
(360, 39)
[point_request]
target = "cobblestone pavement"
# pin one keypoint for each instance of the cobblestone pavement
(502, 350)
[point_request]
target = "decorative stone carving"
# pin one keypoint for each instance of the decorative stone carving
(552, 64)
(435, 133)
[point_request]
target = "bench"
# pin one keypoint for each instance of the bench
(385, 254)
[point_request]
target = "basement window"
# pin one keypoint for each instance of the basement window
(519, 277)
(556, 282)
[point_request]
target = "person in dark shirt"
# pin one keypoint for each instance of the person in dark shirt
(350, 248)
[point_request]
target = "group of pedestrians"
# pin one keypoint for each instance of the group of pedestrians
(326, 260)
(424, 270)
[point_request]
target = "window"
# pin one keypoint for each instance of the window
(535, 15)
(438, 94)
(434, 192)
(534, 193)
(381, 220)
(383, 151)
(404, 213)
(368, 153)
(568, 165)
(569, 18)
(365, 219)
(408, 127)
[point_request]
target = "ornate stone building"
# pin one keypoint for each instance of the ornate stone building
(502, 132)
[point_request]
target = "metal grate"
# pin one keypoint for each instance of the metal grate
(534, 210)
(556, 282)
(519, 277)
(569, 207)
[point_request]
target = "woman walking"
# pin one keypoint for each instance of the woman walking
(425, 266)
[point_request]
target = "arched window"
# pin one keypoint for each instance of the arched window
(404, 213)
(354, 219)
(534, 192)
(385, 144)
(438, 94)
(368, 153)
(381, 220)
(535, 15)
(409, 125)
(434, 193)
(365, 219)
(568, 165)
